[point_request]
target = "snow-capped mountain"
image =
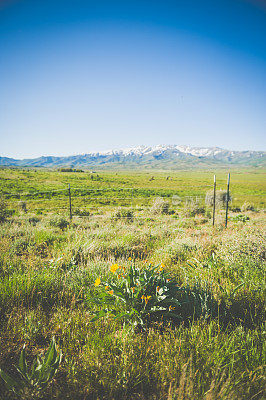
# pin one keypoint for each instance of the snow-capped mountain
(161, 157)
(144, 150)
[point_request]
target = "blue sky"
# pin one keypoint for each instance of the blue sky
(80, 76)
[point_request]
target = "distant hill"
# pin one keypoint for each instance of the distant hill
(144, 157)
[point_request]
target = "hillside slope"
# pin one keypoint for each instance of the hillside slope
(162, 157)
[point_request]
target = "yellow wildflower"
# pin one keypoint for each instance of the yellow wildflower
(147, 298)
(171, 308)
(106, 287)
(114, 268)
(97, 282)
(129, 258)
(161, 268)
(111, 292)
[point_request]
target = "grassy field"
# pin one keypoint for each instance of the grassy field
(246, 185)
(145, 298)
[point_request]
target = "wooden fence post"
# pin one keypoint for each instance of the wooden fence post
(132, 197)
(214, 199)
(70, 207)
(227, 200)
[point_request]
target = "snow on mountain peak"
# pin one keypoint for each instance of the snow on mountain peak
(143, 150)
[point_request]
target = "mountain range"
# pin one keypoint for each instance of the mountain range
(145, 157)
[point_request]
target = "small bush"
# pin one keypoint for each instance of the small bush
(70, 170)
(150, 294)
(22, 205)
(220, 198)
(235, 209)
(34, 220)
(160, 206)
(179, 250)
(124, 214)
(208, 214)
(81, 212)
(20, 245)
(240, 217)
(192, 209)
(58, 221)
(247, 207)
(3, 210)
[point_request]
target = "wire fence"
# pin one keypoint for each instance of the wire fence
(83, 201)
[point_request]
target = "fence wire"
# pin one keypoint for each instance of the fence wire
(90, 198)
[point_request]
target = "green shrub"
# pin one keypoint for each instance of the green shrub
(20, 245)
(22, 205)
(66, 170)
(34, 220)
(123, 214)
(143, 295)
(235, 209)
(248, 207)
(160, 206)
(70, 170)
(220, 198)
(81, 212)
(3, 210)
(179, 250)
(58, 221)
(191, 209)
(240, 217)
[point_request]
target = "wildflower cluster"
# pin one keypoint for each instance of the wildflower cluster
(140, 293)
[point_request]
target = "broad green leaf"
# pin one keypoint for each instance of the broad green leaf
(236, 289)
(35, 367)
(99, 314)
(58, 360)
(50, 356)
(22, 364)
(11, 383)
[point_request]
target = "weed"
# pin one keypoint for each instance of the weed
(240, 217)
(123, 214)
(58, 221)
(3, 210)
(39, 376)
(160, 206)
(149, 294)
(22, 205)
(220, 198)
(247, 206)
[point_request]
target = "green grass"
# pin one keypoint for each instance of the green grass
(48, 271)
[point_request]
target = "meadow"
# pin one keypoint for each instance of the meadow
(145, 298)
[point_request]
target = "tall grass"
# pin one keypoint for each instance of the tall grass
(47, 288)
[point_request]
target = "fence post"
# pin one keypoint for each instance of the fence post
(70, 207)
(227, 199)
(132, 197)
(214, 199)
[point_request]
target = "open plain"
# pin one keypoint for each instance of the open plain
(77, 281)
